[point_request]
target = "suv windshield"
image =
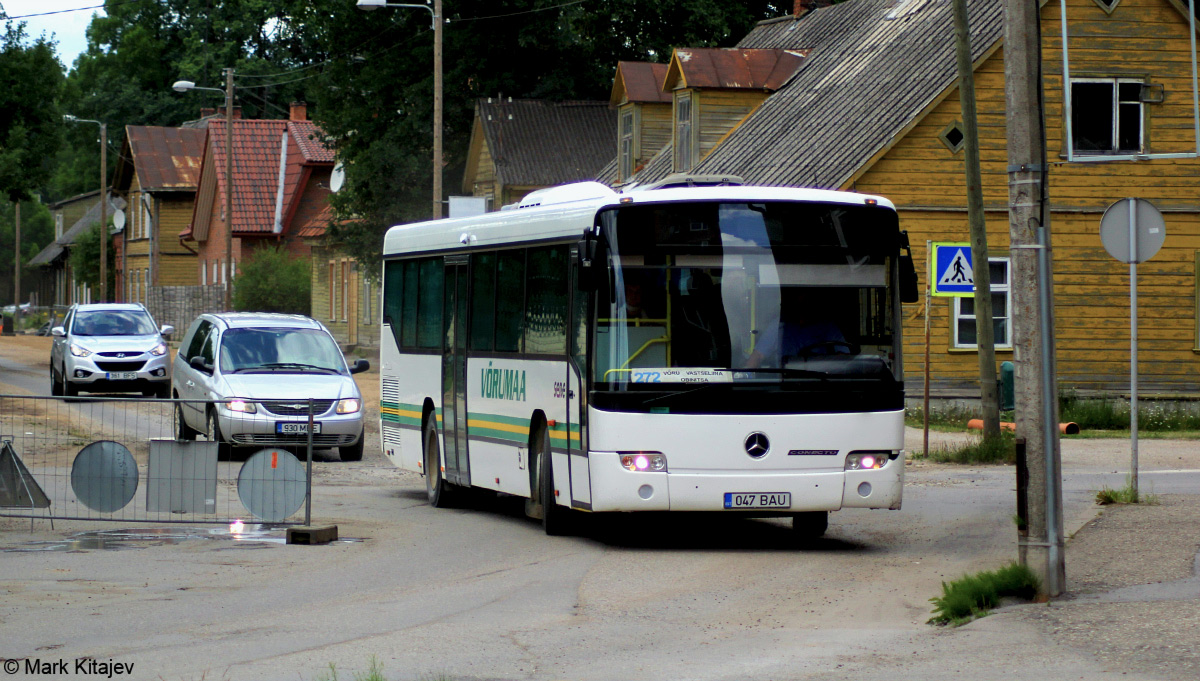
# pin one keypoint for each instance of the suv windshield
(280, 350)
(113, 323)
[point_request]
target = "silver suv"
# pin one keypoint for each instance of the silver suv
(110, 347)
(249, 375)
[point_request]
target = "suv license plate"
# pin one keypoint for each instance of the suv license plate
(122, 376)
(758, 500)
(296, 428)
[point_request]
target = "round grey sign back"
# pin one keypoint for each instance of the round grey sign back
(272, 485)
(1150, 230)
(104, 476)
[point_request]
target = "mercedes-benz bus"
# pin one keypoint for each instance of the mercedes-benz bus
(683, 347)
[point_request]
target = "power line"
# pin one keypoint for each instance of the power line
(528, 11)
(81, 9)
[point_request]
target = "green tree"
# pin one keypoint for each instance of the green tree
(37, 231)
(84, 258)
(272, 280)
(30, 81)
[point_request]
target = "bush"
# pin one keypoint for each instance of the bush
(1111, 415)
(272, 280)
(1000, 449)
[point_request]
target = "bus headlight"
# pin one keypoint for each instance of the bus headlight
(867, 460)
(644, 462)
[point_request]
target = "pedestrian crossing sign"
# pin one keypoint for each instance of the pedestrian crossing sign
(952, 273)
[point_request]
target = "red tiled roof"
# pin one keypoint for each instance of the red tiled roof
(257, 146)
(166, 158)
(308, 138)
(732, 68)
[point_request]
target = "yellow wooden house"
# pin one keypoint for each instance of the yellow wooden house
(873, 107)
(158, 172)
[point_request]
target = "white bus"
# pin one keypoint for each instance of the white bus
(718, 348)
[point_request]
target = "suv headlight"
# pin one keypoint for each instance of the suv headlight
(79, 350)
(348, 406)
(159, 350)
(242, 406)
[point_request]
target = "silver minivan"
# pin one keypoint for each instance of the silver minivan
(252, 374)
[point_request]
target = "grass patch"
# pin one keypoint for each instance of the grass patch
(974, 595)
(1113, 415)
(992, 450)
(948, 419)
(374, 673)
(1125, 495)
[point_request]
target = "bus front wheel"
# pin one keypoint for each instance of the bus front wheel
(436, 487)
(810, 525)
(555, 518)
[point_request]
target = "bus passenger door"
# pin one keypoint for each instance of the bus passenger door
(577, 334)
(454, 372)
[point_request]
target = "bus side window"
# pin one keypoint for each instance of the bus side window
(393, 296)
(483, 301)
(429, 324)
(408, 311)
(546, 312)
(510, 301)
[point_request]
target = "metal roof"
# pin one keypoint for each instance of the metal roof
(639, 81)
(164, 158)
(732, 68)
(538, 143)
(873, 67)
(59, 246)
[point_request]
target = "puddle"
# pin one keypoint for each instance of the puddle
(117, 540)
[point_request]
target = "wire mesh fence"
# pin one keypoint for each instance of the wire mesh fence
(143, 460)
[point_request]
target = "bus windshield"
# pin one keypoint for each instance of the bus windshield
(773, 292)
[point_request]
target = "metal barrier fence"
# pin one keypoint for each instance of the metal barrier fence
(134, 460)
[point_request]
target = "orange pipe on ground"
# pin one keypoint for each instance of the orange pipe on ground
(1070, 428)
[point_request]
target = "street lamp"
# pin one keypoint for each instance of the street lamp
(436, 12)
(68, 118)
(184, 86)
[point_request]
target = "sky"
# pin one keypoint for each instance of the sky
(68, 28)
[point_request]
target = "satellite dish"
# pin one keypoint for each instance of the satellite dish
(337, 179)
(119, 219)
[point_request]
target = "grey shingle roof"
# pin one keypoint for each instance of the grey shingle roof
(866, 78)
(92, 216)
(541, 143)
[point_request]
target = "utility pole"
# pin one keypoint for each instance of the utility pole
(229, 189)
(985, 340)
(17, 264)
(438, 22)
(1032, 295)
(103, 213)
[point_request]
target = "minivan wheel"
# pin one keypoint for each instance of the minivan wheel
(182, 430)
(224, 449)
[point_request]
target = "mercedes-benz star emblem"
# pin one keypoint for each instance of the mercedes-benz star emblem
(757, 445)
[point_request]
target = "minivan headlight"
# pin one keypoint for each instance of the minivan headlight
(348, 406)
(79, 350)
(159, 350)
(242, 406)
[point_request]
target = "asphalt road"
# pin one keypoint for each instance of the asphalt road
(481, 593)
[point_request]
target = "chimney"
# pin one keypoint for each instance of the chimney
(298, 112)
(207, 111)
(804, 6)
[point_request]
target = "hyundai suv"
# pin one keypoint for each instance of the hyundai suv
(110, 347)
(245, 379)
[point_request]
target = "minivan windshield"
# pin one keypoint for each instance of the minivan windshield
(280, 350)
(113, 323)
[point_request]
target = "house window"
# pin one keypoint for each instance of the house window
(215, 265)
(365, 310)
(204, 273)
(345, 290)
(625, 144)
(332, 283)
(684, 156)
(964, 309)
(953, 137)
(1107, 5)
(1107, 116)
(145, 286)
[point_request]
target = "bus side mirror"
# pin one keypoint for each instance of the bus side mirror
(909, 292)
(589, 261)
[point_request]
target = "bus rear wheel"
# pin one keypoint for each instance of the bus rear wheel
(436, 487)
(810, 525)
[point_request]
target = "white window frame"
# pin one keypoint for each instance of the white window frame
(685, 150)
(625, 144)
(1005, 288)
(1114, 141)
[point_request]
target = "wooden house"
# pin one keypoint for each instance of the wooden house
(520, 145)
(72, 217)
(643, 115)
(874, 107)
(157, 174)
